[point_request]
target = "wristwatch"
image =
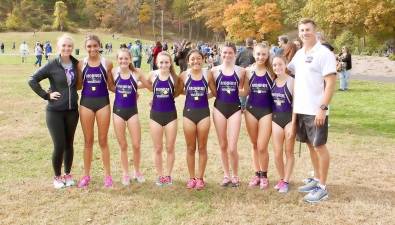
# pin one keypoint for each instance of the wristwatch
(324, 107)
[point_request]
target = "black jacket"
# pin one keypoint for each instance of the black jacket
(347, 60)
(54, 71)
(246, 57)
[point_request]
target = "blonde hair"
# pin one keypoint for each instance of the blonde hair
(268, 65)
(65, 37)
(172, 69)
(125, 50)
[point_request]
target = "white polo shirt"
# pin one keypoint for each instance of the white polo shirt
(310, 68)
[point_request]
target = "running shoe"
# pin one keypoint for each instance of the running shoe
(254, 182)
(108, 182)
(84, 182)
(168, 180)
(139, 177)
(283, 187)
(160, 181)
(199, 184)
(308, 187)
(278, 185)
(126, 180)
(225, 182)
(307, 180)
(316, 195)
(235, 181)
(263, 183)
(58, 182)
(191, 183)
(68, 180)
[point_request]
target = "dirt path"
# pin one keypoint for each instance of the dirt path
(373, 68)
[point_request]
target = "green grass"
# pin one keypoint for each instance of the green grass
(361, 176)
(366, 109)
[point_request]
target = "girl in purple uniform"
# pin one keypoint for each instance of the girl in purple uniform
(163, 115)
(95, 79)
(258, 115)
(283, 125)
(224, 82)
(193, 83)
(126, 78)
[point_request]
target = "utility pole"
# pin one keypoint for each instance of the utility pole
(162, 25)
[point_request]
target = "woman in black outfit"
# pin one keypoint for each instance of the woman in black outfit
(345, 67)
(62, 108)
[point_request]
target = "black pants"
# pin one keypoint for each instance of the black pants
(61, 126)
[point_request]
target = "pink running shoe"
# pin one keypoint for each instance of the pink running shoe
(235, 181)
(84, 182)
(226, 181)
(191, 183)
(199, 184)
(125, 180)
(108, 182)
(263, 183)
(254, 182)
(278, 185)
(168, 180)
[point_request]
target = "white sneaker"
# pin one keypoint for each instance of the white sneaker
(58, 182)
(139, 177)
(125, 180)
(69, 181)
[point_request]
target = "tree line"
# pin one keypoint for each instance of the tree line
(371, 21)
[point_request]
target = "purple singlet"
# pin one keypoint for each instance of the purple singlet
(228, 88)
(94, 81)
(282, 98)
(125, 92)
(260, 93)
(196, 93)
(163, 99)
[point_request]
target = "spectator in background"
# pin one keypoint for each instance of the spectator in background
(244, 59)
(289, 51)
(24, 51)
(182, 52)
(2, 47)
(155, 52)
(48, 50)
(298, 44)
(344, 59)
(165, 46)
(13, 45)
(136, 54)
(282, 43)
(38, 51)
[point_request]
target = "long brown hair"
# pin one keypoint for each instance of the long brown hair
(289, 51)
(172, 70)
(268, 64)
(125, 50)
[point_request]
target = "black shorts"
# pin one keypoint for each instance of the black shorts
(125, 113)
(282, 118)
(163, 118)
(307, 132)
(227, 109)
(258, 112)
(95, 104)
(197, 114)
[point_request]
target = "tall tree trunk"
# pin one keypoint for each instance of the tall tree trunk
(153, 18)
(190, 29)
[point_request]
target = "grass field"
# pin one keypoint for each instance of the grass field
(361, 180)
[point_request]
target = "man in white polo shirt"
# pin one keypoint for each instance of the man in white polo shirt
(314, 67)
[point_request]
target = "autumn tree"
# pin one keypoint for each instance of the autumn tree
(145, 15)
(60, 13)
(245, 19)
